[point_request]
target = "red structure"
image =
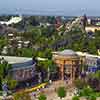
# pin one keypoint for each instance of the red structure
(58, 22)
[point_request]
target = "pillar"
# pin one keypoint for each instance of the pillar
(62, 72)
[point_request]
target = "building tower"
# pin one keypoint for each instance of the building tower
(84, 21)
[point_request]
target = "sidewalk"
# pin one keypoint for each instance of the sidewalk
(8, 97)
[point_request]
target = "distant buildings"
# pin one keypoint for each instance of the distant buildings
(92, 28)
(15, 41)
(13, 20)
(58, 22)
(95, 21)
(93, 24)
(84, 21)
(68, 63)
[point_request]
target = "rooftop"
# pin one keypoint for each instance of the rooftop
(66, 52)
(19, 62)
(87, 55)
(14, 59)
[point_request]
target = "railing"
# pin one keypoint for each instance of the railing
(34, 88)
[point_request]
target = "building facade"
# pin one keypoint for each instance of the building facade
(23, 71)
(68, 63)
(22, 68)
(92, 28)
(91, 61)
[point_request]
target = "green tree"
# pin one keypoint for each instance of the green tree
(94, 80)
(40, 54)
(97, 75)
(21, 96)
(92, 97)
(61, 92)
(42, 97)
(4, 69)
(5, 77)
(12, 84)
(48, 65)
(86, 91)
(3, 42)
(26, 52)
(48, 53)
(80, 83)
(33, 21)
(0, 84)
(75, 98)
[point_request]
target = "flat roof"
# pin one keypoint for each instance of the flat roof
(66, 52)
(88, 55)
(15, 59)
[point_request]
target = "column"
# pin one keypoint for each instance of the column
(62, 72)
(71, 72)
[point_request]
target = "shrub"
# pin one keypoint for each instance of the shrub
(42, 97)
(92, 97)
(75, 98)
(61, 92)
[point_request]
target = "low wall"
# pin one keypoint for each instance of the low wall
(83, 98)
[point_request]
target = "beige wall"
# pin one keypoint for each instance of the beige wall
(92, 28)
(67, 64)
(83, 98)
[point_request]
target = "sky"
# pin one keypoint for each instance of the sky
(53, 7)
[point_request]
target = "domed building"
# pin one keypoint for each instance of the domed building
(68, 63)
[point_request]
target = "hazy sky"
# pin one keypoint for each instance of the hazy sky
(67, 7)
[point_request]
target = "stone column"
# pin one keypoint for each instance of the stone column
(62, 72)
(71, 73)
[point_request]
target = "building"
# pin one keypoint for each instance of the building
(89, 21)
(68, 64)
(84, 21)
(13, 20)
(91, 61)
(22, 68)
(92, 28)
(95, 21)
